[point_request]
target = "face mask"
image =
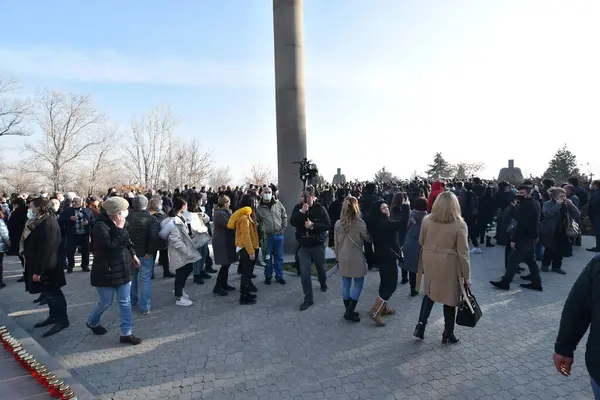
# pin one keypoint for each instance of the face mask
(125, 213)
(267, 197)
(159, 208)
(520, 197)
(30, 214)
(55, 208)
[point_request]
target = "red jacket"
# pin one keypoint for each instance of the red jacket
(436, 189)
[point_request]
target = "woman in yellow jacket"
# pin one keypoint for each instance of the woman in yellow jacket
(247, 245)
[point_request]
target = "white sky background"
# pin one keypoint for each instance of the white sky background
(517, 84)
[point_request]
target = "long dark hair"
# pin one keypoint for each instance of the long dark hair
(178, 204)
(193, 205)
(42, 205)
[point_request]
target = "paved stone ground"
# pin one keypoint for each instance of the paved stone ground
(218, 349)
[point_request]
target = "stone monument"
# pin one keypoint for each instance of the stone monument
(289, 104)
(339, 177)
(511, 174)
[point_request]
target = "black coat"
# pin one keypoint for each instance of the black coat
(16, 225)
(528, 218)
(319, 216)
(113, 254)
(401, 214)
(581, 310)
(69, 225)
(384, 232)
(143, 232)
(41, 256)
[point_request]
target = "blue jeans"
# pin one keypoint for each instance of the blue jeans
(596, 389)
(105, 300)
(539, 251)
(274, 252)
(199, 265)
(358, 286)
(142, 274)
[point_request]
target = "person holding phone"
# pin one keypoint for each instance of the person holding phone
(581, 311)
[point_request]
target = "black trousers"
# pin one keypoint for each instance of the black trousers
(507, 250)
(83, 242)
(163, 260)
(222, 277)
(449, 314)
(57, 306)
(388, 278)
(552, 256)
(472, 226)
(524, 252)
(411, 276)
(181, 275)
(246, 267)
(1, 267)
(369, 255)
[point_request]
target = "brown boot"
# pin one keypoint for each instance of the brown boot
(376, 311)
(387, 310)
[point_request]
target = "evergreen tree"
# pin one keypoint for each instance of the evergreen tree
(562, 166)
(383, 175)
(440, 168)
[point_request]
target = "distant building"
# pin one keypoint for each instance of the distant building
(511, 174)
(339, 177)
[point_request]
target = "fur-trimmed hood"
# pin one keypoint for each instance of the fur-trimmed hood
(244, 211)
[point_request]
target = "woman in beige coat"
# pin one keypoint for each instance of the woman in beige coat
(350, 234)
(444, 262)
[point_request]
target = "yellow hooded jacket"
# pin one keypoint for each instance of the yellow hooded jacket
(246, 232)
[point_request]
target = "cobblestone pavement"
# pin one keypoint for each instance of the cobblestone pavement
(218, 349)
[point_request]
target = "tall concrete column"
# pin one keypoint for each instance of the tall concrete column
(290, 103)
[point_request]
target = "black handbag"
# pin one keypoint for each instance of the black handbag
(469, 312)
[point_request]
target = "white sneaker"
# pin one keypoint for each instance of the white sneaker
(184, 296)
(183, 302)
(475, 250)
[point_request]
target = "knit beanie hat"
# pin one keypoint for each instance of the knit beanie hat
(140, 202)
(114, 205)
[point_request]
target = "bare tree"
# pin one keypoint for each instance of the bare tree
(13, 111)
(68, 126)
(150, 146)
(220, 177)
(465, 170)
(16, 179)
(187, 164)
(260, 175)
(108, 138)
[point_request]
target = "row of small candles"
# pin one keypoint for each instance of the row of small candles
(56, 387)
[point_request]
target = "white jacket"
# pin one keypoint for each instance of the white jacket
(181, 248)
(4, 237)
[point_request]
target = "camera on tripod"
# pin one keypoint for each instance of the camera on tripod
(308, 170)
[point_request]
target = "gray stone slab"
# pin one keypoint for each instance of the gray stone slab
(219, 349)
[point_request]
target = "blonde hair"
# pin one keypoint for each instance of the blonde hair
(446, 209)
(555, 191)
(155, 201)
(350, 212)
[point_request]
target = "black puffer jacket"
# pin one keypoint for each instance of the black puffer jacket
(319, 216)
(582, 310)
(143, 232)
(113, 254)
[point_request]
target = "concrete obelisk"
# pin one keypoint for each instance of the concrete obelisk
(290, 104)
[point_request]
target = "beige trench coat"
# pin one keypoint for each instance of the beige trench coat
(348, 248)
(444, 260)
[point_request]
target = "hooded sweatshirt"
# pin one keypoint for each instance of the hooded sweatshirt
(436, 189)
(246, 233)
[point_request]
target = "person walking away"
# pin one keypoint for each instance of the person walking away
(246, 242)
(469, 204)
(155, 207)
(366, 201)
(223, 244)
(523, 241)
(350, 234)
(581, 310)
(312, 223)
(412, 248)
(112, 268)
(4, 246)
(182, 252)
(16, 226)
(593, 213)
(444, 262)
(44, 276)
(487, 210)
(400, 211)
(77, 222)
(142, 228)
(503, 230)
(559, 213)
(273, 219)
(384, 232)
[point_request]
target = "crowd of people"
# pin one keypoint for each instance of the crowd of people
(417, 232)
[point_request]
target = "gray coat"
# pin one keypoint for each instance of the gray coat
(349, 248)
(223, 240)
(412, 249)
(551, 212)
(4, 237)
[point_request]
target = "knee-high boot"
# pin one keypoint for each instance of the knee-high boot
(449, 322)
(426, 307)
